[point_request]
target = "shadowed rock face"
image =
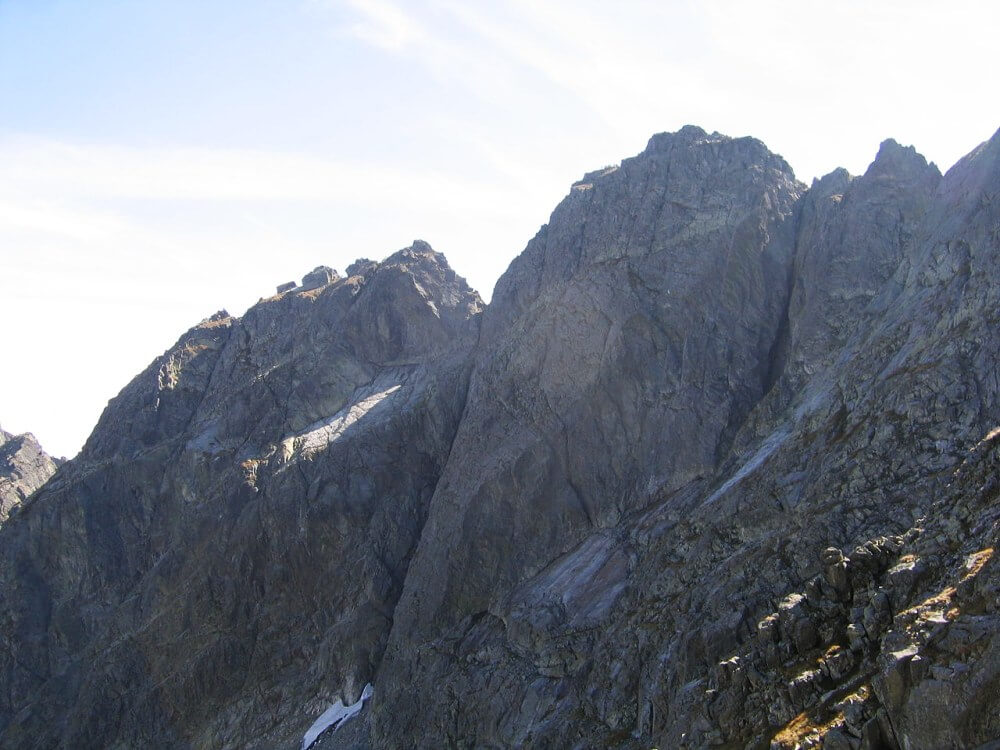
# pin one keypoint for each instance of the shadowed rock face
(24, 467)
(223, 558)
(852, 236)
(717, 467)
(620, 354)
(690, 605)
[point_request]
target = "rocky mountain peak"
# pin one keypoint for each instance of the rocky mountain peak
(361, 267)
(689, 134)
(693, 144)
(685, 191)
(901, 163)
(319, 276)
(716, 468)
(834, 183)
(421, 259)
(24, 468)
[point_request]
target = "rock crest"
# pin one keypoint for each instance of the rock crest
(716, 467)
(24, 467)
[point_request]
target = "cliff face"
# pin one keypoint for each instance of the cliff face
(621, 353)
(716, 467)
(24, 467)
(223, 559)
(784, 421)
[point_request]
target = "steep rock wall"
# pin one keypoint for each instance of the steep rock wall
(223, 559)
(717, 467)
(882, 389)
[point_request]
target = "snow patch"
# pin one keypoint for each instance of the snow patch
(334, 716)
(321, 434)
(769, 446)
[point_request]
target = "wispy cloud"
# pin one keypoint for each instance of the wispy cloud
(583, 50)
(90, 173)
(53, 217)
(119, 210)
(785, 71)
(385, 25)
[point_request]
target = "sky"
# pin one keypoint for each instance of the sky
(164, 159)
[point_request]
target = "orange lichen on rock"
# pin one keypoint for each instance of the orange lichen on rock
(975, 562)
(802, 727)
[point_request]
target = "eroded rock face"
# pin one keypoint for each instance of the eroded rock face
(852, 235)
(24, 467)
(233, 538)
(717, 467)
(766, 594)
(620, 354)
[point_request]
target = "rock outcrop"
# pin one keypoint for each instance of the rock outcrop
(716, 467)
(647, 308)
(845, 421)
(24, 467)
(223, 559)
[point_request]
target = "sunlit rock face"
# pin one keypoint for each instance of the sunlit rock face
(24, 467)
(716, 467)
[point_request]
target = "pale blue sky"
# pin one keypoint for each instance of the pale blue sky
(162, 159)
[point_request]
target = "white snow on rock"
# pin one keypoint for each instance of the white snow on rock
(334, 716)
(321, 434)
(767, 448)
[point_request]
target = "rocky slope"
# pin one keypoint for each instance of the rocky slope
(716, 467)
(223, 558)
(24, 467)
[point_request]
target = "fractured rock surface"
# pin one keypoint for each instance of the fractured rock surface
(233, 537)
(24, 467)
(858, 405)
(716, 468)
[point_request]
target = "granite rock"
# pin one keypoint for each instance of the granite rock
(717, 467)
(24, 467)
(222, 560)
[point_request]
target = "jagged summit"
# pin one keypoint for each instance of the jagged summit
(266, 442)
(833, 183)
(695, 141)
(24, 467)
(420, 254)
(419, 251)
(716, 467)
(898, 161)
(688, 134)
(381, 314)
(693, 145)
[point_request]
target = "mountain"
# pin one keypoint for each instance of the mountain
(236, 530)
(24, 467)
(717, 467)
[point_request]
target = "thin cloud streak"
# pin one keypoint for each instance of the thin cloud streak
(779, 70)
(385, 25)
(98, 172)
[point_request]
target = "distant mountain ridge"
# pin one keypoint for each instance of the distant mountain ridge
(717, 467)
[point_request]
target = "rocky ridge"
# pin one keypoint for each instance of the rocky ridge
(237, 528)
(24, 467)
(716, 467)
